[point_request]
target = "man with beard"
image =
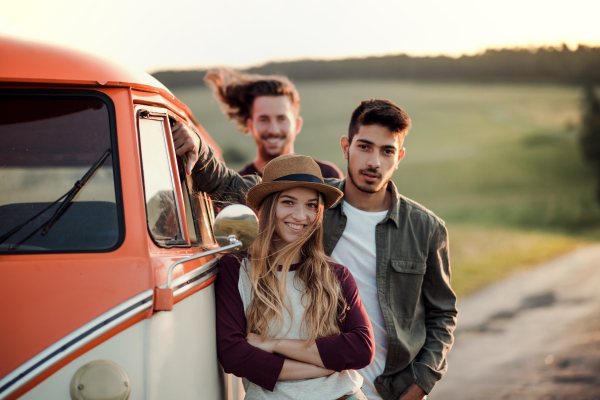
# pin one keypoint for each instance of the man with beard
(266, 107)
(396, 249)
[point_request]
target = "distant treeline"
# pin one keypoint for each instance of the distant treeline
(544, 64)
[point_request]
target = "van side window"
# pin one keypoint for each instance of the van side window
(162, 210)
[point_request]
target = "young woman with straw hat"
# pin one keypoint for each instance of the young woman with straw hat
(289, 319)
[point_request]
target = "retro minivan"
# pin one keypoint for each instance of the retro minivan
(107, 253)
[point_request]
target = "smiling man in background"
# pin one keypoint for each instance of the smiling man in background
(266, 107)
(396, 249)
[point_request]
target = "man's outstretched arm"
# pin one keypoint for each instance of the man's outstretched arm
(208, 173)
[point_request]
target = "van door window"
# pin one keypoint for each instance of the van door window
(200, 212)
(48, 142)
(189, 213)
(162, 209)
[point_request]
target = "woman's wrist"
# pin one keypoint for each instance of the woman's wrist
(276, 345)
(293, 370)
(266, 344)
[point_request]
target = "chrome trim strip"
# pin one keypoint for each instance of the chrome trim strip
(193, 278)
(74, 341)
(234, 244)
(199, 279)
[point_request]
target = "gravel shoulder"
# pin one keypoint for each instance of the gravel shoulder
(534, 335)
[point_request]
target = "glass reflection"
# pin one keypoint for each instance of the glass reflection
(237, 220)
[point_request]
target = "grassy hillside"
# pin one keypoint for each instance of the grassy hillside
(499, 163)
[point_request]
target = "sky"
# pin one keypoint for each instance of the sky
(182, 34)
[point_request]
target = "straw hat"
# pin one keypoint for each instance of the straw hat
(289, 171)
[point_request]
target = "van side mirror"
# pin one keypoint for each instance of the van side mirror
(236, 222)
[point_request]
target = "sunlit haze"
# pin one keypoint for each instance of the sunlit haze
(178, 34)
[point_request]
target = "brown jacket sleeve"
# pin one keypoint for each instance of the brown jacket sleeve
(212, 176)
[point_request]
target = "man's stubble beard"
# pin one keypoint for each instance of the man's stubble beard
(266, 155)
(365, 189)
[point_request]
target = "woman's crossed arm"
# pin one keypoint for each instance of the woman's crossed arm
(292, 348)
(352, 348)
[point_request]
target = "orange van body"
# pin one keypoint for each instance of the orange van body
(47, 296)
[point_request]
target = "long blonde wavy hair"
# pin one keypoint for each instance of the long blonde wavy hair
(325, 305)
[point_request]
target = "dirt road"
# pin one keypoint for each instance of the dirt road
(535, 335)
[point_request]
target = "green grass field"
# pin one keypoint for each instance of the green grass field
(499, 163)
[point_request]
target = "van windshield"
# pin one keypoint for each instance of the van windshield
(47, 144)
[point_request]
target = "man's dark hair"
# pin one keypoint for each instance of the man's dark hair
(379, 112)
(236, 92)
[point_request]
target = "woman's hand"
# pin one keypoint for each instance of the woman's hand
(292, 348)
(265, 344)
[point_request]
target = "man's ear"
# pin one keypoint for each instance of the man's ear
(345, 143)
(249, 125)
(299, 122)
(400, 156)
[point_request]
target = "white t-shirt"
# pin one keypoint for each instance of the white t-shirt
(356, 251)
(331, 386)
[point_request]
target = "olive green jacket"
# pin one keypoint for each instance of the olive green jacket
(413, 277)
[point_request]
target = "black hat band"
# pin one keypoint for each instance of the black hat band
(299, 178)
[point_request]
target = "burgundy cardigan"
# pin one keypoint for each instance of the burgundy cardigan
(353, 348)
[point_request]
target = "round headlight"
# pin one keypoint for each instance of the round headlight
(100, 380)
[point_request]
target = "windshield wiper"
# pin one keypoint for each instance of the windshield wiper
(70, 195)
(21, 226)
(74, 190)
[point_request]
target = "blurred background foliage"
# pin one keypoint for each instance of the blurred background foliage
(542, 64)
(501, 163)
(590, 132)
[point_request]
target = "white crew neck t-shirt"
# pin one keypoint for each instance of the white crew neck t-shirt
(356, 251)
